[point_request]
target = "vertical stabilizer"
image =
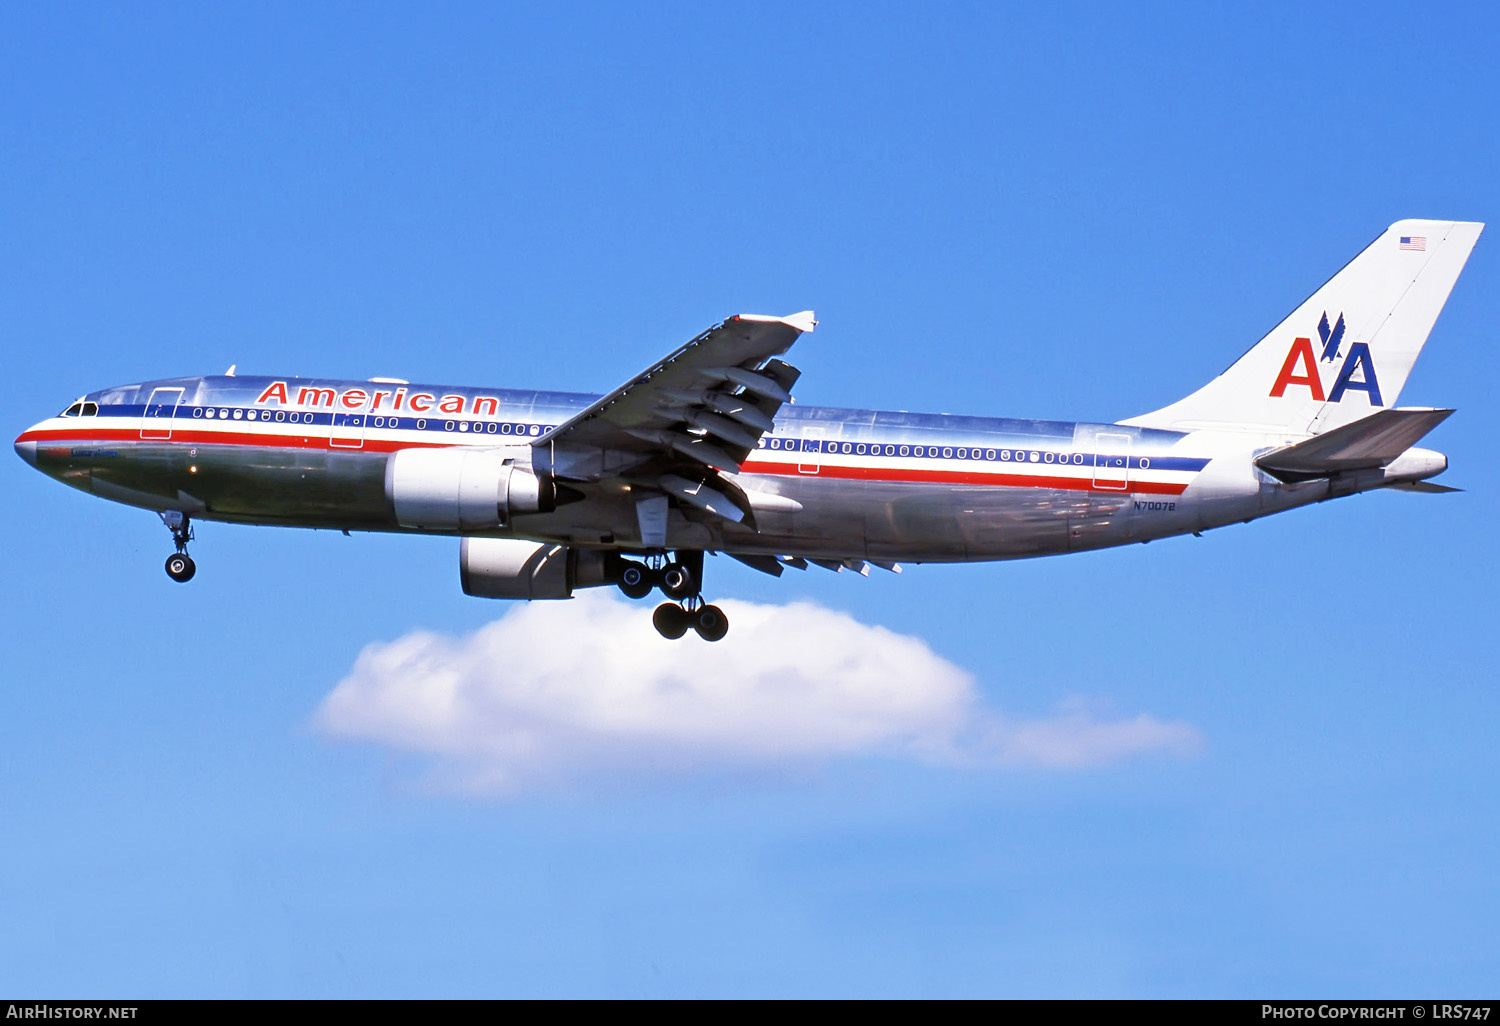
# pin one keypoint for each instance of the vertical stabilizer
(1345, 353)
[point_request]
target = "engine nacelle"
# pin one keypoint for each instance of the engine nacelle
(461, 489)
(508, 568)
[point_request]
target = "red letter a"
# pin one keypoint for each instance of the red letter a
(1301, 350)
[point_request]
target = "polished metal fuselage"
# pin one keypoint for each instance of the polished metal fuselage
(826, 483)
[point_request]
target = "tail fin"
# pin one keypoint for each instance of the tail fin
(1346, 351)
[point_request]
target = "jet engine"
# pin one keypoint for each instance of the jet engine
(462, 489)
(508, 568)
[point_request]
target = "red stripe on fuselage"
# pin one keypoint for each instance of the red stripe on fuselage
(969, 477)
(195, 436)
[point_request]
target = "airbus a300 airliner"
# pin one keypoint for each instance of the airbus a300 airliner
(550, 492)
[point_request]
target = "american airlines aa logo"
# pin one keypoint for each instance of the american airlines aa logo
(1302, 367)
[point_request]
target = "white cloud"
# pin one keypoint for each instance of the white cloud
(555, 692)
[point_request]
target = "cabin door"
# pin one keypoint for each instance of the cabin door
(156, 419)
(348, 428)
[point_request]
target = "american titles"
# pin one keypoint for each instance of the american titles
(375, 400)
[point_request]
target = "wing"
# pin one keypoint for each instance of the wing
(672, 429)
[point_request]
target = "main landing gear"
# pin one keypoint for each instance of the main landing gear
(679, 579)
(673, 621)
(180, 566)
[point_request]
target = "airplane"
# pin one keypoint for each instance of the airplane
(705, 452)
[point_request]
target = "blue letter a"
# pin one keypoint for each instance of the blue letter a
(1359, 357)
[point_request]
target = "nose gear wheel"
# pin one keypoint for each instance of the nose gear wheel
(180, 566)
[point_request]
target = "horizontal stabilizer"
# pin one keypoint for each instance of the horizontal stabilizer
(1365, 444)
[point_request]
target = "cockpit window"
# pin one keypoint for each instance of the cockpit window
(74, 410)
(91, 409)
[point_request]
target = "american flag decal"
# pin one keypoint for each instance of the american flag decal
(1415, 243)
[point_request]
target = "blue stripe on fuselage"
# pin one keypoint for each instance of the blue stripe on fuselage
(540, 411)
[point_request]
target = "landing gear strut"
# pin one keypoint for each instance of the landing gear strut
(679, 579)
(180, 566)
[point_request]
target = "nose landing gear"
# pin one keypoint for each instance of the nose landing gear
(180, 566)
(679, 579)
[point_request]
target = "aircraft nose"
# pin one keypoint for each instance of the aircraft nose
(26, 449)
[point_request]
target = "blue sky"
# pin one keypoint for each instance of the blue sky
(1070, 211)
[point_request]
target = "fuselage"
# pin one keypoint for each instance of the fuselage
(826, 482)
